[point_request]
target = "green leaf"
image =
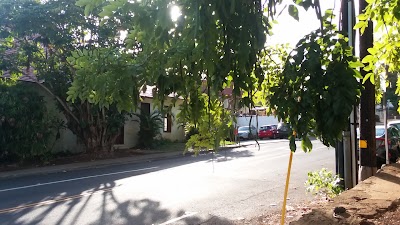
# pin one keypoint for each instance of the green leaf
(88, 9)
(306, 144)
(356, 64)
(357, 74)
(372, 78)
(293, 12)
(372, 51)
(362, 16)
(360, 25)
(368, 59)
(369, 76)
(81, 3)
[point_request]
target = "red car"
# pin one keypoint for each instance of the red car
(267, 131)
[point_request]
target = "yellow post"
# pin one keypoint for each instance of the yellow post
(286, 189)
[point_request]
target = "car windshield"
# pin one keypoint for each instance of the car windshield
(380, 131)
(397, 125)
(244, 128)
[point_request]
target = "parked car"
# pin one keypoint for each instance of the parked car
(395, 123)
(267, 131)
(283, 130)
(393, 144)
(247, 132)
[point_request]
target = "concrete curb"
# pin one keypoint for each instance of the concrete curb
(92, 164)
(101, 163)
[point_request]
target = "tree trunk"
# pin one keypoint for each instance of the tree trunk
(93, 129)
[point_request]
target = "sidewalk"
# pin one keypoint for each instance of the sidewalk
(145, 156)
(150, 156)
(366, 204)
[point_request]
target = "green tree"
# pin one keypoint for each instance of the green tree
(216, 44)
(317, 87)
(383, 56)
(42, 36)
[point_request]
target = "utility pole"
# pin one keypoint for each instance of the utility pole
(345, 149)
(367, 109)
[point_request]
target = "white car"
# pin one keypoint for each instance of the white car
(246, 132)
(395, 123)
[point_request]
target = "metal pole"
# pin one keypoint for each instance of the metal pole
(353, 115)
(347, 160)
(386, 131)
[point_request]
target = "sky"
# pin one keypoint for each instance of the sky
(289, 30)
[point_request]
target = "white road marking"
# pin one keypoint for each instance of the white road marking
(187, 214)
(74, 179)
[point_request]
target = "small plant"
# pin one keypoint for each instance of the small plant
(150, 128)
(200, 142)
(324, 183)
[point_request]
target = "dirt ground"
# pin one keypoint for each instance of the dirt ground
(375, 201)
(389, 217)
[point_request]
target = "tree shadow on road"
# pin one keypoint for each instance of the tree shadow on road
(224, 156)
(99, 206)
(77, 201)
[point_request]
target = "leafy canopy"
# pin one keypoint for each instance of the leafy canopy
(217, 44)
(317, 87)
(383, 57)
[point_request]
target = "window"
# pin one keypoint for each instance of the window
(167, 123)
(145, 108)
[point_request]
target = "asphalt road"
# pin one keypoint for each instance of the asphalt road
(239, 183)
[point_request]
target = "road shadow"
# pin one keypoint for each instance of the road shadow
(224, 156)
(100, 207)
(77, 201)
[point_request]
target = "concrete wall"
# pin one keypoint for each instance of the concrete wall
(67, 141)
(131, 127)
(177, 132)
(262, 120)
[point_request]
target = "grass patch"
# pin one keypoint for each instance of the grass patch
(223, 143)
(170, 146)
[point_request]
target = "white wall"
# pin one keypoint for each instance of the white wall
(177, 132)
(67, 141)
(262, 120)
(131, 127)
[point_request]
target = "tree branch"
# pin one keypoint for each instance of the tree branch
(65, 106)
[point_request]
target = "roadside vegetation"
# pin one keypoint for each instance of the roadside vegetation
(27, 128)
(95, 56)
(324, 183)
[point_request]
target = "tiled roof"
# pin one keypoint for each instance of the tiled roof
(149, 90)
(27, 76)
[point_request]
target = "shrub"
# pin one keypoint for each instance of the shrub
(26, 127)
(150, 127)
(323, 182)
(190, 131)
